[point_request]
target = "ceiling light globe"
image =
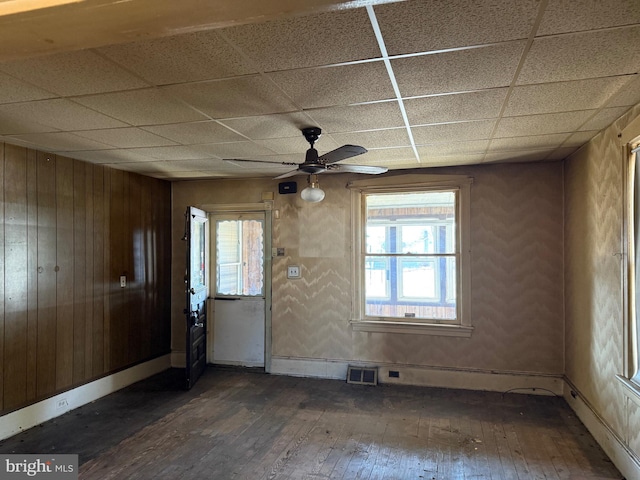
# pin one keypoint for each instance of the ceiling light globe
(312, 194)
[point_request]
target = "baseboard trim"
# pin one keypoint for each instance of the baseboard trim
(622, 457)
(178, 359)
(27, 417)
(468, 379)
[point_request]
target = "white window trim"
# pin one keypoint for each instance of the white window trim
(630, 377)
(400, 183)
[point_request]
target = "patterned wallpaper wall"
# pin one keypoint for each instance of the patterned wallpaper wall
(516, 237)
(594, 209)
(517, 302)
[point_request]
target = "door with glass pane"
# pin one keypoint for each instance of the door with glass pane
(196, 294)
(239, 307)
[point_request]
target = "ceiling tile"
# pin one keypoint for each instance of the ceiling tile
(178, 152)
(452, 108)
(174, 165)
(128, 137)
(541, 124)
(181, 58)
(261, 127)
(628, 96)
(58, 114)
(471, 69)
(358, 117)
(341, 85)
(564, 96)
(529, 143)
(73, 73)
(196, 132)
(425, 25)
(451, 149)
(449, 160)
(446, 132)
(580, 138)
(13, 90)
(142, 107)
(561, 16)
(604, 118)
(385, 156)
(237, 97)
(11, 123)
(571, 56)
(112, 156)
(235, 150)
(296, 145)
(561, 153)
(393, 137)
(519, 156)
(61, 141)
(314, 40)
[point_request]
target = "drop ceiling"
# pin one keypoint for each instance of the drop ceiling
(419, 83)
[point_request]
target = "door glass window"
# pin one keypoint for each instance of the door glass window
(239, 257)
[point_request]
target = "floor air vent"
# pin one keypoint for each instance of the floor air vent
(362, 375)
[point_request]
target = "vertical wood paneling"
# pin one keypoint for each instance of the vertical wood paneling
(64, 274)
(135, 260)
(79, 270)
(15, 277)
(99, 280)
(106, 339)
(118, 341)
(46, 278)
(89, 296)
(2, 148)
(32, 274)
(68, 230)
(146, 266)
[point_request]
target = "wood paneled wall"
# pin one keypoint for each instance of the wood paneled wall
(68, 231)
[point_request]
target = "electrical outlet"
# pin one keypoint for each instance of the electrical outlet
(62, 403)
(123, 281)
(293, 271)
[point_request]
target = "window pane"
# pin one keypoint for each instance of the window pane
(376, 277)
(239, 257)
(411, 253)
(422, 222)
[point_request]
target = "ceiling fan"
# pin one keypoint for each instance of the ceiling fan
(314, 164)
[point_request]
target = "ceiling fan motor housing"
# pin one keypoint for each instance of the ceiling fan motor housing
(312, 134)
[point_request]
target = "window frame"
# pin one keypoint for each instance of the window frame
(629, 139)
(404, 184)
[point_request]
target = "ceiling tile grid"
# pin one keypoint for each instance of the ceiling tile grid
(419, 83)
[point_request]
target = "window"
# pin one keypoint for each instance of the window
(630, 377)
(411, 255)
(239, 257)
(633, 220)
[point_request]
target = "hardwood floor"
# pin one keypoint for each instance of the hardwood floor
(242, 425)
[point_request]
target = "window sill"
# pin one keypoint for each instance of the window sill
(378, 326)
(631, 389)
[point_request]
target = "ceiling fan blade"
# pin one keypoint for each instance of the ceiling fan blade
(341, 153)
(358, 169)
(258, 161)
(289, 174)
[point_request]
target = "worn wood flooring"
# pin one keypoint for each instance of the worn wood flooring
(243, 425)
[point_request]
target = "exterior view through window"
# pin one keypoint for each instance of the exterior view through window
(411, 255)
(239, 257)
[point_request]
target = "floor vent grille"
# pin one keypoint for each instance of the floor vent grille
(362, 375)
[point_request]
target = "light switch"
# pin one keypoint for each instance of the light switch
(123, 281)
(293, 271)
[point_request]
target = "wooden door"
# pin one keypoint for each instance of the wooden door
(196, 294)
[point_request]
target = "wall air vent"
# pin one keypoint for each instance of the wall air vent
(362, 375)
